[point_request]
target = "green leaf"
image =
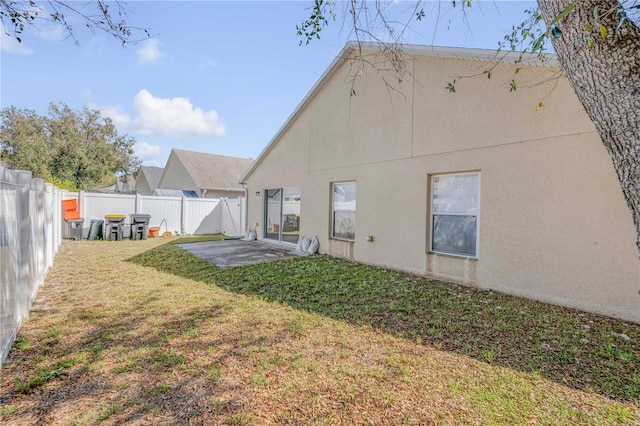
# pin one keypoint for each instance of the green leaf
(451, 87)
(538, 44)
(603, 31)
(567, 10)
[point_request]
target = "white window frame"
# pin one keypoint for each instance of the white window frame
(334, 210)
(432, 213)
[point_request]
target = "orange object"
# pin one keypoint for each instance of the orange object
(70, 209)
(153, 231)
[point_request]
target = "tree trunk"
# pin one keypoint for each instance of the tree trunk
(602, 62)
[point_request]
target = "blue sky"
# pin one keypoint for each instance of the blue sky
(218, 76)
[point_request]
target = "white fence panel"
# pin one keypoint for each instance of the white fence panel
(97, 205)
(168, 209)
(53, 214)
(174, 214)
(202, 216)
(30, 214)
(232, 223)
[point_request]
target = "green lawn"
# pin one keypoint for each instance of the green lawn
(141, 331)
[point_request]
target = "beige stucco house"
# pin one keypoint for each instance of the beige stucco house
(147, 179)
(208, 175)
(483, 186)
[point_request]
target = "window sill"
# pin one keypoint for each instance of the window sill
(452, 255)
(342, 239)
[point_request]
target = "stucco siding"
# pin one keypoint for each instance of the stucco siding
(363, 123)
(553, 224)
(484, 112)
(291, 154)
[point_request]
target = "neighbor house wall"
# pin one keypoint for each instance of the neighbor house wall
(176, 176)
(142, 185)
(553, 223)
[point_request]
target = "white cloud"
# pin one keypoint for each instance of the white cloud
(174, 117)
(146, 152)
(150, 52)
(9, 44)
(166, 117)
(120, 118)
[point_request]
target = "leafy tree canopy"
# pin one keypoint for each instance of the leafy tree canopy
(72, 149)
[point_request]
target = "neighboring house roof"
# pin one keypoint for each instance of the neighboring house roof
(152, 174)
(210, 171)
(121, 186)
(483, 55)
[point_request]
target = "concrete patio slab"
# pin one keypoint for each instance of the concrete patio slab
(237, 252)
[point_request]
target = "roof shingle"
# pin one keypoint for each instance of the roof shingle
(211, 171)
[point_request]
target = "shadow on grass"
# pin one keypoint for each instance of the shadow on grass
(177, 390)
(577, 349)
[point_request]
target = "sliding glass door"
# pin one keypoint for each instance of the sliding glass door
(273, 212)
(282, 214)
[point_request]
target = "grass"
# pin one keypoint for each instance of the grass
(141, 331)
(571, 347)
(44, 375)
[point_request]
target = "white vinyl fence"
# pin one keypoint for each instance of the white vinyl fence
(30, 234)
(178, 215)
(32, 228)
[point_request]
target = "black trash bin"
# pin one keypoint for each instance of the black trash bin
(95, 229)
(139, 226)
(74, 230)
(114, 225)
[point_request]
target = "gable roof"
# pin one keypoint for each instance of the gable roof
(352, 47)
(211, 171)
(152, 174)
(122, 184)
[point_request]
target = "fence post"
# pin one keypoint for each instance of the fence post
(243, 214)
(38, 234)
(138, 208)
(24, 180)
(183, 216)
(82, 203)
(57, 216)
(49, 218)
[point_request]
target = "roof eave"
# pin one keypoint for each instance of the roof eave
(236, 189)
